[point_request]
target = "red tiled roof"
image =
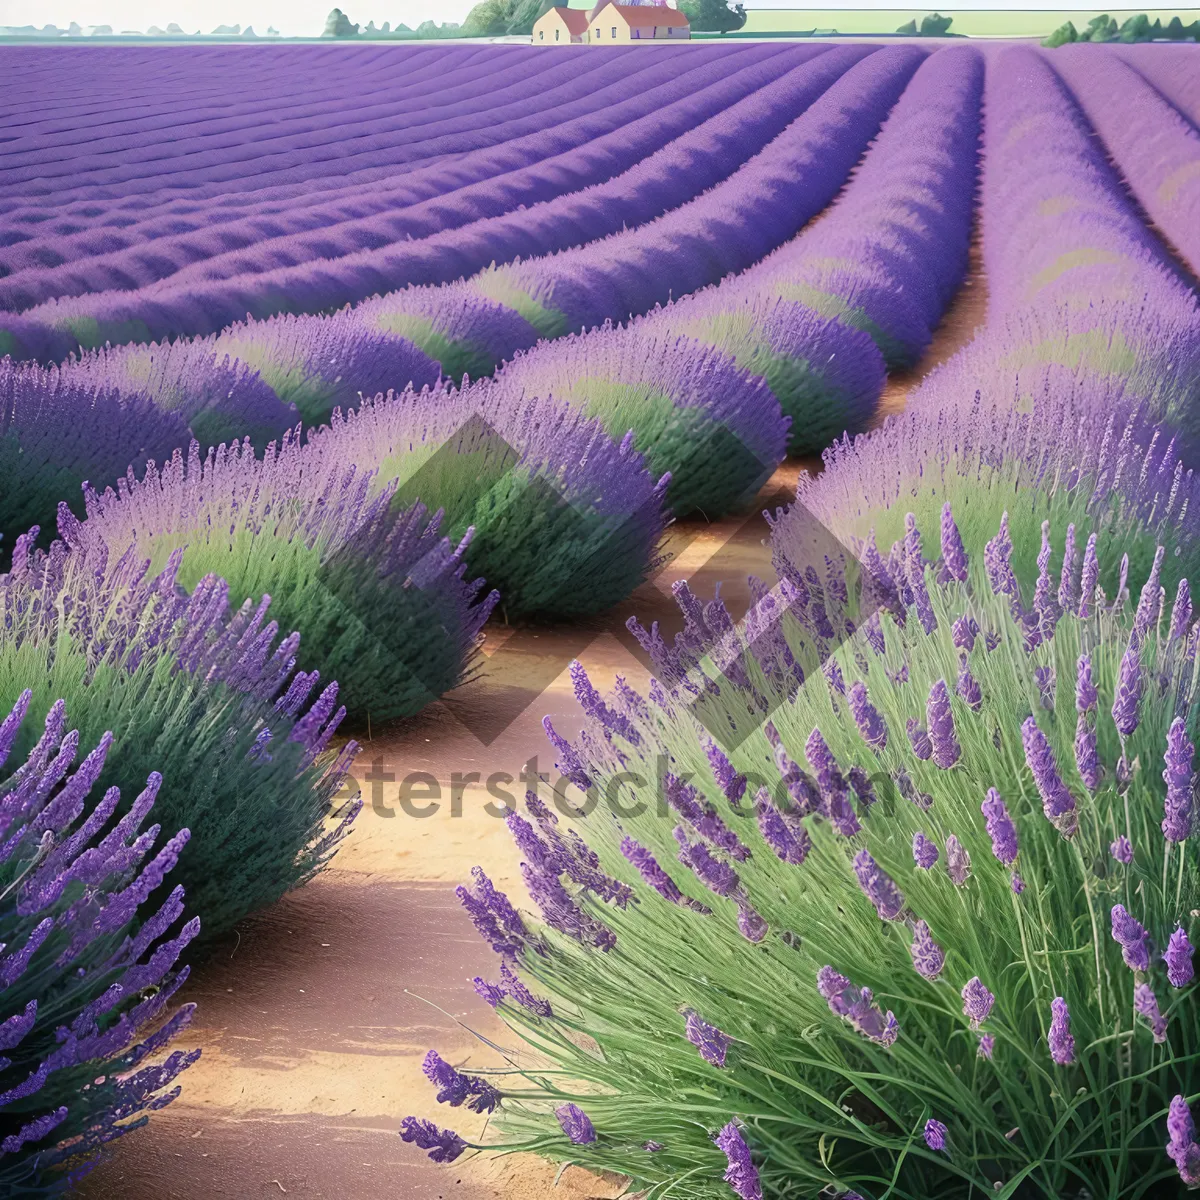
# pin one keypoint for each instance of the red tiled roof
(643, 16)
(575, 19)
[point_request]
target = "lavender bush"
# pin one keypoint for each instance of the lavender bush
(565, 520)
(909, 914)
(93, 957)
(379, 599)
(715, 429)
(58, 428)
(209, 696)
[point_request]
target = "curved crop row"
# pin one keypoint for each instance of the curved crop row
(1068, 256)
(206, 696)
(1154, 148)
(669, 178)
(253, 242)
(657, 83)
(1172, 71)
(871, 277)
(379, 599)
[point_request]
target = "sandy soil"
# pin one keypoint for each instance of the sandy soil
(314, 1017)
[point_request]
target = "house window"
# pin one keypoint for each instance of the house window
(556, 33)
(541, 35)
(614, 31)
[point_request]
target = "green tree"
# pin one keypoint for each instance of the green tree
(1063, 35)
(713, 16)
(1100, 29)
(1136, 29)
(338, 25)
(909, 30)
(936, 25)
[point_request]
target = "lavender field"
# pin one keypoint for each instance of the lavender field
(600, 622)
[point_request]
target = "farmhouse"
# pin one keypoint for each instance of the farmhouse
(561, 25)
(609, 22)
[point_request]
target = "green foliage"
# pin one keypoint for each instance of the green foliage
(933, 25)
(495, 18)
(1062, 36)
(338, 25)
(826, 1109)
(713, 16)
(909, 29)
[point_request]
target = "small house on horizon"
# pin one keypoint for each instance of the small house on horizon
(610, 23)
(561, 26)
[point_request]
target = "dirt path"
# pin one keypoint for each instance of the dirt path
(314, 1018)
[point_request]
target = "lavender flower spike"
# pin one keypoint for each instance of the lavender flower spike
(1000, 828)
(454, 1088)
(740, 1173)
(935, 1135)
(651, 872)
(967, 686)
(878, 887)
(925, 851)
(1129, 691)
(443, 1145)
(954, 554)
(1180, 780)
(1062, 1044)
(1132, 937)
(866, 716)
(958, 861)
(1122, 850)
(576, 1124)
(1085, 690)
(1087, 758)
(1145, 1004)
(708, 1039)
(1182, 1148)
(928, 957)
(977, 1002)
(1057, 802)
(946, 750)
(1178, 958)
(918, 738)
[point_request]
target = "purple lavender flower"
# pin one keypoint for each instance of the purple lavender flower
(1085, 690)
(946, 750)
(647, 866)
(987, 1046)
(968, 686)
(918, 738)
(1182, 1148)
(925, 851)
(1181, 612)
(1087, 758)
(1122, 850)
(1089, 578)
(878, 887)
(954, 554)
(1057, 802)
(1180, 781)
(1132, 937)
(1044, 680)
(965, 630)
(915, 571)
(1178, 958)
(751, 924)
(789, 840)
(560, 911)
(935, 1135)
(576, 1124)
(1145, 1004)
(958, 861)
(864, 789)
(866, 716)
(1062, 1044)
(834, 790)
(717, 876)
(493, 915)
(492, 993)
(740, 1172)
(455, 1088)
(857, 1007)
(1016, 883)
(928, 957)
(708, 1039)
(726, 776)
(996, 556)
(1129, 691)
(1067, 597)
(977, 1002)
(1000, 828)
(443, 1145)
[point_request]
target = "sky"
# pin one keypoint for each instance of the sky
(306, 18)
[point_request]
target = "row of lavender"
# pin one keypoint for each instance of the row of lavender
(935, 798)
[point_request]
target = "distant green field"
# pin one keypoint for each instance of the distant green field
(974, 22)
